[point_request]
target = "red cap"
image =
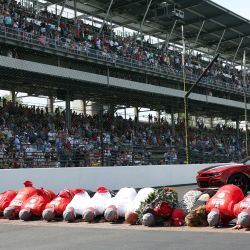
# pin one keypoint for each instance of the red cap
(51, 194)
(46, 193)
(102, 189)
(41, 191)
(28, 184)
(66, 193)
(78, 190)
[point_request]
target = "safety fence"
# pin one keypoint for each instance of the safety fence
(127, 156)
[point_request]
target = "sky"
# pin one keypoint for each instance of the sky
(240, 7)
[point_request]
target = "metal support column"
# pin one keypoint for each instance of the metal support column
(60, 15)
(236, 53)
(218, 46)
(13, 97)
(144, 17)
(111, 110)
(84, 107)
(106, 16)
(51, 104)
(197, 37)
(168, 37)
(68, 112)
(158, 115)
(136, 112)
(75, 11)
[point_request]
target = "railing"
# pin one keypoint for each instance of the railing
(84, 51)
(94, 158)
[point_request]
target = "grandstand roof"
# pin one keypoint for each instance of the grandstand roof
(217, 20)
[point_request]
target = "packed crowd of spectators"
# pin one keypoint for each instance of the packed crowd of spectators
(33, 137)
(79, 37)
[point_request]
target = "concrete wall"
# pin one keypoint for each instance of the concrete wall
(87, 78)
(92, 177)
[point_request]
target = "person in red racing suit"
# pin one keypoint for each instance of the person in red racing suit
(220, 207)
(57, 206)
(5, 199)
(242, 213)
(11, 212)
(34, 206)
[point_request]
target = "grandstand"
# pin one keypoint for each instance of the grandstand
(88, 56)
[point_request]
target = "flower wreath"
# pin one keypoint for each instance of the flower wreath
(159, 203)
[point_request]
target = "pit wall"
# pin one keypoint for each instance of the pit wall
(92, 177)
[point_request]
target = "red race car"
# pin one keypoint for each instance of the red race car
(219, 175)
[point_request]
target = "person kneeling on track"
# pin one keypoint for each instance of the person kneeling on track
(119, 205)
(242, 213)
(97, 204)
(5, 199)
(77, 206)
(57, 206)
(220, 207)
(33, 207)
(11, 212)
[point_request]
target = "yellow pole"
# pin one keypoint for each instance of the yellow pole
(245, 100)
(186, 129)
(185, 97)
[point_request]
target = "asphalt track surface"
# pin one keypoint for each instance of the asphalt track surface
(39, 235)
